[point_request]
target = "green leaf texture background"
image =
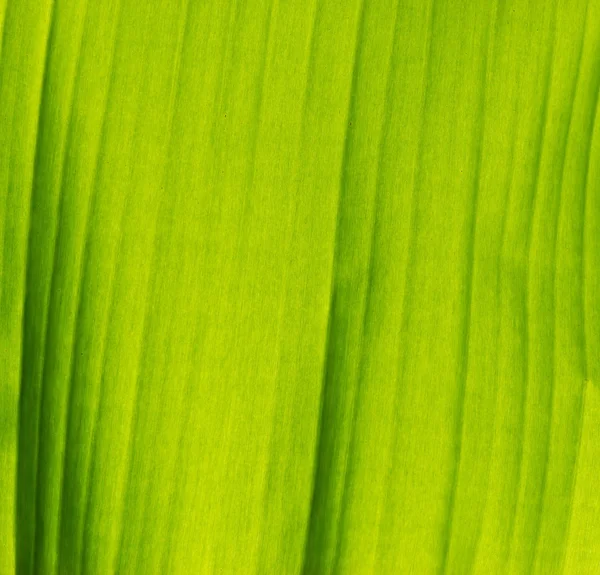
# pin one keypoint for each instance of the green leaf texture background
(299, 287)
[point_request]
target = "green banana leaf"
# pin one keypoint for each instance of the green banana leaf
(299, 287)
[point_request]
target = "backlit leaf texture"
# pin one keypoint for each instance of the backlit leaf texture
(299, 287)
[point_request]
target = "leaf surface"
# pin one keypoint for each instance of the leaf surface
(299, 288)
